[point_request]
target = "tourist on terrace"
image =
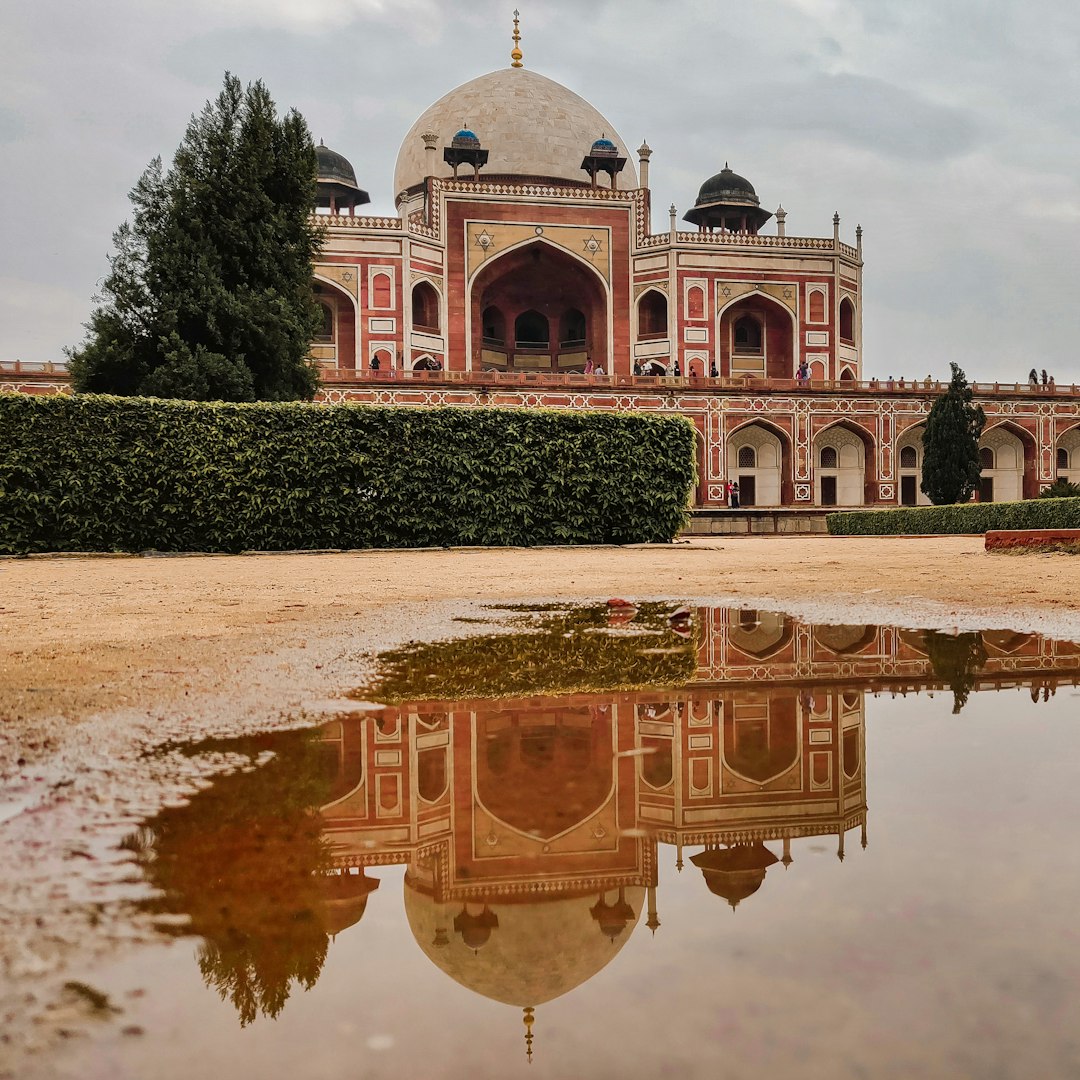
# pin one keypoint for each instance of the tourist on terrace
(589, 366)
(1033, 379)
(637, 367)
(713, 373)
(677, 371)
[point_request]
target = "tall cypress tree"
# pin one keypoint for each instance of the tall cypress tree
(210, 295)
(951, 467)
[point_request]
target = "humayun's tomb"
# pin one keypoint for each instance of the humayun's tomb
(522, 270)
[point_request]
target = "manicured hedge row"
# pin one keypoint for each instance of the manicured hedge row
(90, 473)
(961, 518)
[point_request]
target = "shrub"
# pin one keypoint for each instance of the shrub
(90, 473)
(961, 518)
(1061, 489)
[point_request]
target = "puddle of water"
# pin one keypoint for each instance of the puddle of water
(805, 851)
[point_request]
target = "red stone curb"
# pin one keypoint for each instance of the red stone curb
(1006, 539)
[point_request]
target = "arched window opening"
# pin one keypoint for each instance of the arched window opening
(909, 457)
(494, 326)
(847, 375)
(817, 306)
(1062, 458)
(847, 321)
(652, 315)
(381, 291)
(829, 457)
(572, 328)
(657, 766)
(531, 331)
(747, 457)
(695, 303)
(655, 367)
(425, 304)
(326, 329)
(747, 334)
(431, 773)
(986, 457)
(382, 360)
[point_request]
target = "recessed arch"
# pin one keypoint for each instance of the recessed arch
(1067, 455)
(538, 275)
(425, 307)
(768, 483)
(652, 315)
(1014, 474)
(346, 319)
(780, 333)
(846, 328)
(761, 740)
(908, 457)
(850, 481)
(815, 306)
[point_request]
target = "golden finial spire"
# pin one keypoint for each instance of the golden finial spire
(528, 1021)
(515, 54)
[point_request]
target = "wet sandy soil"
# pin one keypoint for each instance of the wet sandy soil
(106, 661)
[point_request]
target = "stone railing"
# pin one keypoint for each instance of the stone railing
(33, 367)
(556, 380)
(731, 239)
(345, 221)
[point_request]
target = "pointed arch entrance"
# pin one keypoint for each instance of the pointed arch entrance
(759, 459)
(526, 288)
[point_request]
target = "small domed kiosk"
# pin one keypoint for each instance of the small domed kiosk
(337, 190)
(729, 202)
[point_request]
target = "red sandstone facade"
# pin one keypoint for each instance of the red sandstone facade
(532, 284)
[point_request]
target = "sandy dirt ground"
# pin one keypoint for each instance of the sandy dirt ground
(104, 661)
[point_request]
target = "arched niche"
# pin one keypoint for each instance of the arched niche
(846, 328)
(908, 463)
(539, 280)
(764, 482)
(425, 307)
(335, 343)
(1068, 456)
(1007, 456)
(652, 309)
(756, 337)
(761, 737)
(843, 459)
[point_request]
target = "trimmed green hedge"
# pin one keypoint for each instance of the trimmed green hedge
(91, 473)
(961, 518)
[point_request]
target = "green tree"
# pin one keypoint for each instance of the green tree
(209, 293)
(951, 443)
(957, 659)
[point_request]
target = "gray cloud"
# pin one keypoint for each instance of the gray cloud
(948, 130)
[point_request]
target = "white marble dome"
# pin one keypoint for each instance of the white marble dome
(529, 124)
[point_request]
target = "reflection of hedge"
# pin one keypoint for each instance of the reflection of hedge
(962, 518)
(128, 474)
(560, 653)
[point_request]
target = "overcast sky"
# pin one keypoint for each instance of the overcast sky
(948, 128)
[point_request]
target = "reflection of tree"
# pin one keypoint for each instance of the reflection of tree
(557, 652)
(958, 659)
(245, 861)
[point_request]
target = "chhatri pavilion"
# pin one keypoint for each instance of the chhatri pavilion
(522, 270)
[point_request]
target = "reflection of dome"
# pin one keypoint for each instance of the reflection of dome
(344, 899)
(540, 950)
(532, 126)
(735, 872)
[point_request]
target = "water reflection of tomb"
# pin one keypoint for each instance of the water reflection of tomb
(531, 828)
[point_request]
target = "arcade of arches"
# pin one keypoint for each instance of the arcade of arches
(538, 309)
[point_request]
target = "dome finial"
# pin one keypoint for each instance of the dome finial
(528, 1021)
(515, 53)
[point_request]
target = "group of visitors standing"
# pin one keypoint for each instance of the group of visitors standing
(1047, 380)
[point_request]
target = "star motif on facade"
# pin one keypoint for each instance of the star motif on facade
(346, 277)
(726, 291)
(592, 245)
(485, 240)
(787, 294)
